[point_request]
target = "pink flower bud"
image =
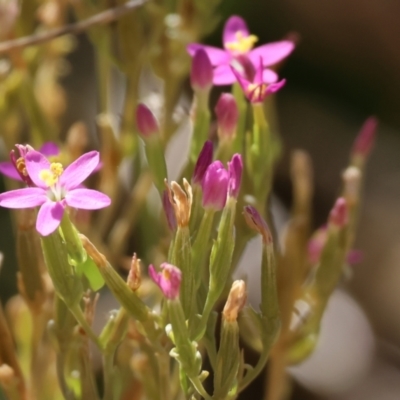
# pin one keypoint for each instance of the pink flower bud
(201, 75)
(168, 280)
(146, 122)
(235, 167)
(215, 186)
(169, 211)
(256, 222)
(316, 244)
(366, 138)
(227, 114)
(203, 161)
(339, 213)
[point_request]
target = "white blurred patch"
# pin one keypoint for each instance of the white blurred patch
(345, 350)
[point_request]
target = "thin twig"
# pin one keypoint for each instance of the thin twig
(102, 18)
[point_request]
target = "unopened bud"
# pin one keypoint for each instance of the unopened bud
(146, 121)
(203, 161)
(366, 138)
(169, 211)
(201, 75)
(227, 113)
(236, 301)
(339, 214)
(134, 277)
(181, 201)
(256, 222)
(235, 167)
(215, 186)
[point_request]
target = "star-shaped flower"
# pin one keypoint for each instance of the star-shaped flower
(238, 46)
(257, 89)
(55, 189)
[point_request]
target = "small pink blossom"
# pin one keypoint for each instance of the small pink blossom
(227, 113)
(257, 89)
(168, 280)
(366, 138)
(235, 167)
(238, 42)
(201, 74)
(215, 186)
(55, 189)
(146, 121)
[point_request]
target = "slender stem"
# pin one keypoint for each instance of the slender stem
(102, 18)
(108, 372)
(199, 387)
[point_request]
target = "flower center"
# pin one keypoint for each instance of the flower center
(243, 44)
(257, 91)
(166, 274)
(50, 176)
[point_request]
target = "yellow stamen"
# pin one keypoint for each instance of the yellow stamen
(166, 274)
(242, 44)
(257, 91)
(21, 166)
(50, 176)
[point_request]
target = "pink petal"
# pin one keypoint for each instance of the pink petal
(271, 53)
(8, 170)
(233, 25)
(269, 76)
(23, 198)
(87, 199)
(244, 83)
(49, 149)
(223, 75)
(217, 56)
(274, 87)
(35, 163)
(258, 78)
(49, 217)
(79, 170)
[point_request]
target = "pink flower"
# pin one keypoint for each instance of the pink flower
(146, 121)
(168, 280)
(238, 42)
(55, 189)
(235, 167)
(257, 89)
(366, 138)
(14, 169)
(227, 113)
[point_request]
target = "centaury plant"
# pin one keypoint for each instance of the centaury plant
(167, 338)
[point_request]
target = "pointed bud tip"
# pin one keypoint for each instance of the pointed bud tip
(257, 223)
(215, 186)
(365, 140)
(227, 113)
(236, 301)
(146, 121)
(235, 167)
(203, 161)
(134, 279)
(201, 75)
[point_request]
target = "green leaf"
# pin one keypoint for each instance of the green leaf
(92, 274)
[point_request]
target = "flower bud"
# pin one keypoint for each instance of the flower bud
(181, 201)
(9, 11)
(169, 211)
(203, 161)
(201, 75)
(339, 214)
(215, 186)
(236, 301)
(235, 167)
(227, 113)
(168, 280)
(146, 122)
(134, 277)
(365, 140)
(256, 222)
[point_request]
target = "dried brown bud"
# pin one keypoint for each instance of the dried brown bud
(181, 201)
(352, 184)
(236, 301)
(134, 278)
(256, 222)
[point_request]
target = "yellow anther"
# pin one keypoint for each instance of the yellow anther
(257, 91)
(21, 167)
(50, 176)
(242, 44)
(57, 169)
(166, 274)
